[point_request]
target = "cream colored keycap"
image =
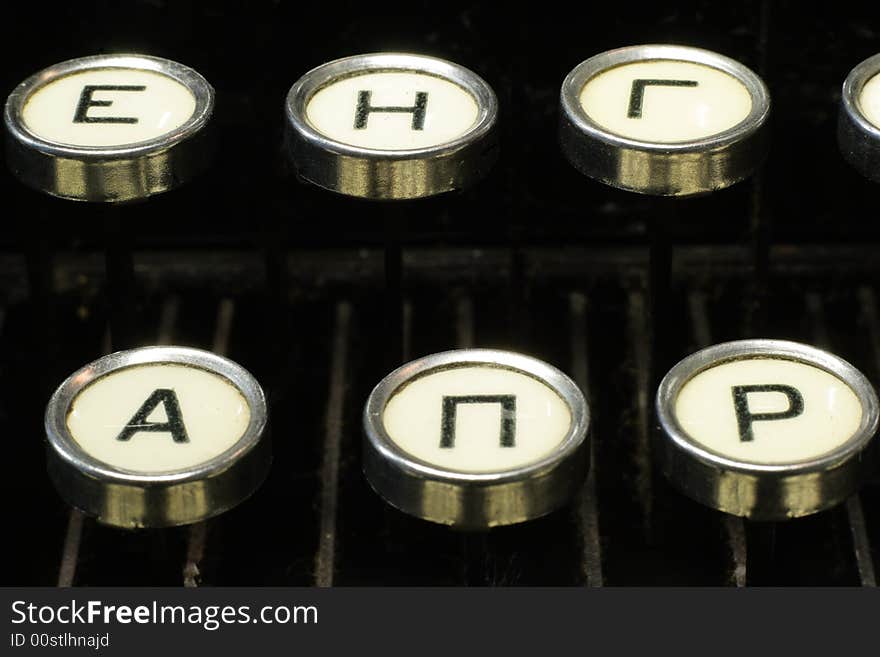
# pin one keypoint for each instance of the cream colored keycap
(869, 100)
(109, 128)
(108, 107)
(664, 120)
(391, 126)
(127, 419)
(806, 411)
(476, 436)
(665, 101)
(157, 437)
(392, 110)
(766, 429)
(858, 118)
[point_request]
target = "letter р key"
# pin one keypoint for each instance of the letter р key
(109, 128)
(476, 438)
(157, 436)
(766, 429)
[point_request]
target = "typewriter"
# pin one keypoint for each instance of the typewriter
(320, 295)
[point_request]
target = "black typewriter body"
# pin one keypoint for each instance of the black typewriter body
(536, 259)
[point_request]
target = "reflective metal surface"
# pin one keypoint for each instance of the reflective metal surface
(658, 168)
(130, 499)
(470, 500)
(764, 491)
(110, 173)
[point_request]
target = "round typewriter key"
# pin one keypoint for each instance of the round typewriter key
(391, 126)
(766, 429)
(157, 436)
(664, 120)
(858, 127)
(476, 438)
(109, 127)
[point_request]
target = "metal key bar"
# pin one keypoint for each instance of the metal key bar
(325, 558)
(587, 506)
(638, 337)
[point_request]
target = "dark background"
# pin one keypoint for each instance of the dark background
(542, 260)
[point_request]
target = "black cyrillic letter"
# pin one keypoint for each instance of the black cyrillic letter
(174, 425)
(745, 418)
(508, 417)
(637, 95)
(86, 101)
(364, 109)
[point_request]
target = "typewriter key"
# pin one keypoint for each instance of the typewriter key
(476, 438)
(858, 125)
(766, 429)
(157, 436)
(391, 126)
(109, 127)
(663, 120)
